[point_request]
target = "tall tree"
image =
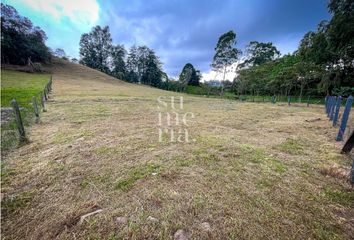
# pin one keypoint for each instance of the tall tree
(95, 48)
(152, 71)
(21, 42)
(225, 54)
(59, 52)
(132, 65)
(258, 53)
(144, 53)
(189, 76)
(118, 65)
(186, 76)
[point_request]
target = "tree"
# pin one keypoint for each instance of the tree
(95, 48)
(185, 76)
(133, 65)
(189, 75)
(59, 52)
(225, 54)
(259, 53)
(118, 65)
(144, 53)
(21, 42)
(152, 71)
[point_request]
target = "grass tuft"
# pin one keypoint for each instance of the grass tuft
(291, 146)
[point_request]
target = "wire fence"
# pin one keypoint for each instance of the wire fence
(24, 116)
(281, 98)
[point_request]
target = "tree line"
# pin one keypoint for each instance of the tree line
(21, 42)
(139, 65)
(322, 64)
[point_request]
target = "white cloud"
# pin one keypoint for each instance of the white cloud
(213, 75)
(80, 12)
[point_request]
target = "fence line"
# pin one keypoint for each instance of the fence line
(274, 99)
(333, 105)
(44, 96)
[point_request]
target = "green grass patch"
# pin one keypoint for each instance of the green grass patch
(340, 197)
(135, 174)
(291, 146)
(96, 180)
(13, 204)
(253, 154)
(22, 87)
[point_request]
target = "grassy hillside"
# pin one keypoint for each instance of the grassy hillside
(249, 171)
(22, 87)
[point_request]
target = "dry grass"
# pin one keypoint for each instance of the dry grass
(255, 171)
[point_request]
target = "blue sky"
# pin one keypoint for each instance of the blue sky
(179, 31)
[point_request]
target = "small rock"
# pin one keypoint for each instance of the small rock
(206, 226)
(180, 235)
(154, 173)
(152, 219)
(121, 220)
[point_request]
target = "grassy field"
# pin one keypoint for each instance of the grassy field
(22, 87)
(253, 171)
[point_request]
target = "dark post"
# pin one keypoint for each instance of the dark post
(332, 108)
(327, 103)
(336, 112)
(51, 81)
(42, 103)
(348, 146)
(345, 117)
(35, 108)
(352, 174)
(289, 100)
(329, 107)
(21, 129)
(308, 101)
(45, 95)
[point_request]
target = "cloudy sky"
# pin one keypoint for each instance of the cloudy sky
(180, 31)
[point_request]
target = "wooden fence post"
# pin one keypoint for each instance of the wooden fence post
(308, 101)
(336, 112)
(332, 108)
(327, 99)
(289, 100)
(42, 103)
(51, 81)
(35, 108)
(352, 174)
(345, 117)
(45, 95)
(20, 128)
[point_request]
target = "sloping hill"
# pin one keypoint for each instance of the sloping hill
(74, 80)
(248, 171)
